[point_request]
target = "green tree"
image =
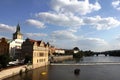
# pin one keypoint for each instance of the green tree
(4, 59)
(76, 48)
(78, 55)
(27, 59)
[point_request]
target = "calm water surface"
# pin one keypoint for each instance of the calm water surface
(88, 72)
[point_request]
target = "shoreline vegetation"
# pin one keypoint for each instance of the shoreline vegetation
(80, 54)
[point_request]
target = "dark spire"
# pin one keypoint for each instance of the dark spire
(18, 28)
(17, 34)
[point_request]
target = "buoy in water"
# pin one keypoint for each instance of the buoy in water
(76, 71)
(43, 73)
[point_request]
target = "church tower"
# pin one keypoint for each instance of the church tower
(17, 34)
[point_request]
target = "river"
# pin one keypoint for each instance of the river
(66, 72)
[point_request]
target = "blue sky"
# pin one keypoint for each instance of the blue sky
(88, 24)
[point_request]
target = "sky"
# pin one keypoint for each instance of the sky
(86, 24)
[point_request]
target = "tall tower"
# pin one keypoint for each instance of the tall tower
(17, 34)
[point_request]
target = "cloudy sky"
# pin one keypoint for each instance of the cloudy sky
(88, 24)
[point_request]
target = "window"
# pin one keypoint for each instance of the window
(41, 54)
(37, 61)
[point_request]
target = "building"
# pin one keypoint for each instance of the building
(17, 34)
(15, 44)
(60, 51)
(38, 50)
(51, 50)
(4, 46)
(76, 51)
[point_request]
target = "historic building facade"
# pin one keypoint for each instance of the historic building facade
(4, 46)
(15, 44)
(38, 50)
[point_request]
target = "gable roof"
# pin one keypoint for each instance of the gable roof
(38, 42)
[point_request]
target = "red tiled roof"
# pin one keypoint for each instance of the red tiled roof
(38, 42)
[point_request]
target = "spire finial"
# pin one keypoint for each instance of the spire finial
(18, 28)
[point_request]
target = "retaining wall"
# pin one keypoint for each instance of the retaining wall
(14, 71)
(61, 58)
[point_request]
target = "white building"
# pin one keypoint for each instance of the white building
(76, 51)
(60, 51)
(15, 44)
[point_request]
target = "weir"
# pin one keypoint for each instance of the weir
(88, 63)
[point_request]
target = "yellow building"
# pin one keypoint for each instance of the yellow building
(38, 50)
(4, 46)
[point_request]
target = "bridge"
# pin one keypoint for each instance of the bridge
(87, 63)
(97, 54)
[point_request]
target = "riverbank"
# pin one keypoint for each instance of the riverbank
(63, 72)
(61, 58)
(14, 71)
(91, 68)
(19, 69)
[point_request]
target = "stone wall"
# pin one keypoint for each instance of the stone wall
(14, 71)
(40, 65)
(61, 58)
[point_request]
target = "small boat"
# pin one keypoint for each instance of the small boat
(76, 71)
(43, 73)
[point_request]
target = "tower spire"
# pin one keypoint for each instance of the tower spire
(18, 28)
(17, 34)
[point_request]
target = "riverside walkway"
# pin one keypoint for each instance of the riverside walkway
(8, 72)
(87, 63)
(12, 71)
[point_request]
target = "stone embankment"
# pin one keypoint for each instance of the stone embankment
(14, 71)
(62, 58)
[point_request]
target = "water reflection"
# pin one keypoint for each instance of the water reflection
(32, 75)
(37, 74)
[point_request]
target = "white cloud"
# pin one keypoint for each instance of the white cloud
(6, 28)
(36, 23)
(73, 21)
(94, 44)
(116, 4)
(36, 34)
(74, 6)
(59, 19)
(117, 38)
(69, 41)
(64, 15)
(63, 35)
(102, 23)
(114, 44)
(93, 41)
(97, 44)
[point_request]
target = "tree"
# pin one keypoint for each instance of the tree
(78, 55)
(76, 48)
(27, 59)
(4, 59)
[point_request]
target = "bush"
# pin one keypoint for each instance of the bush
(27, 59)
(4, 59)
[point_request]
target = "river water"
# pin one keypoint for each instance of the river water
(66, 72)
